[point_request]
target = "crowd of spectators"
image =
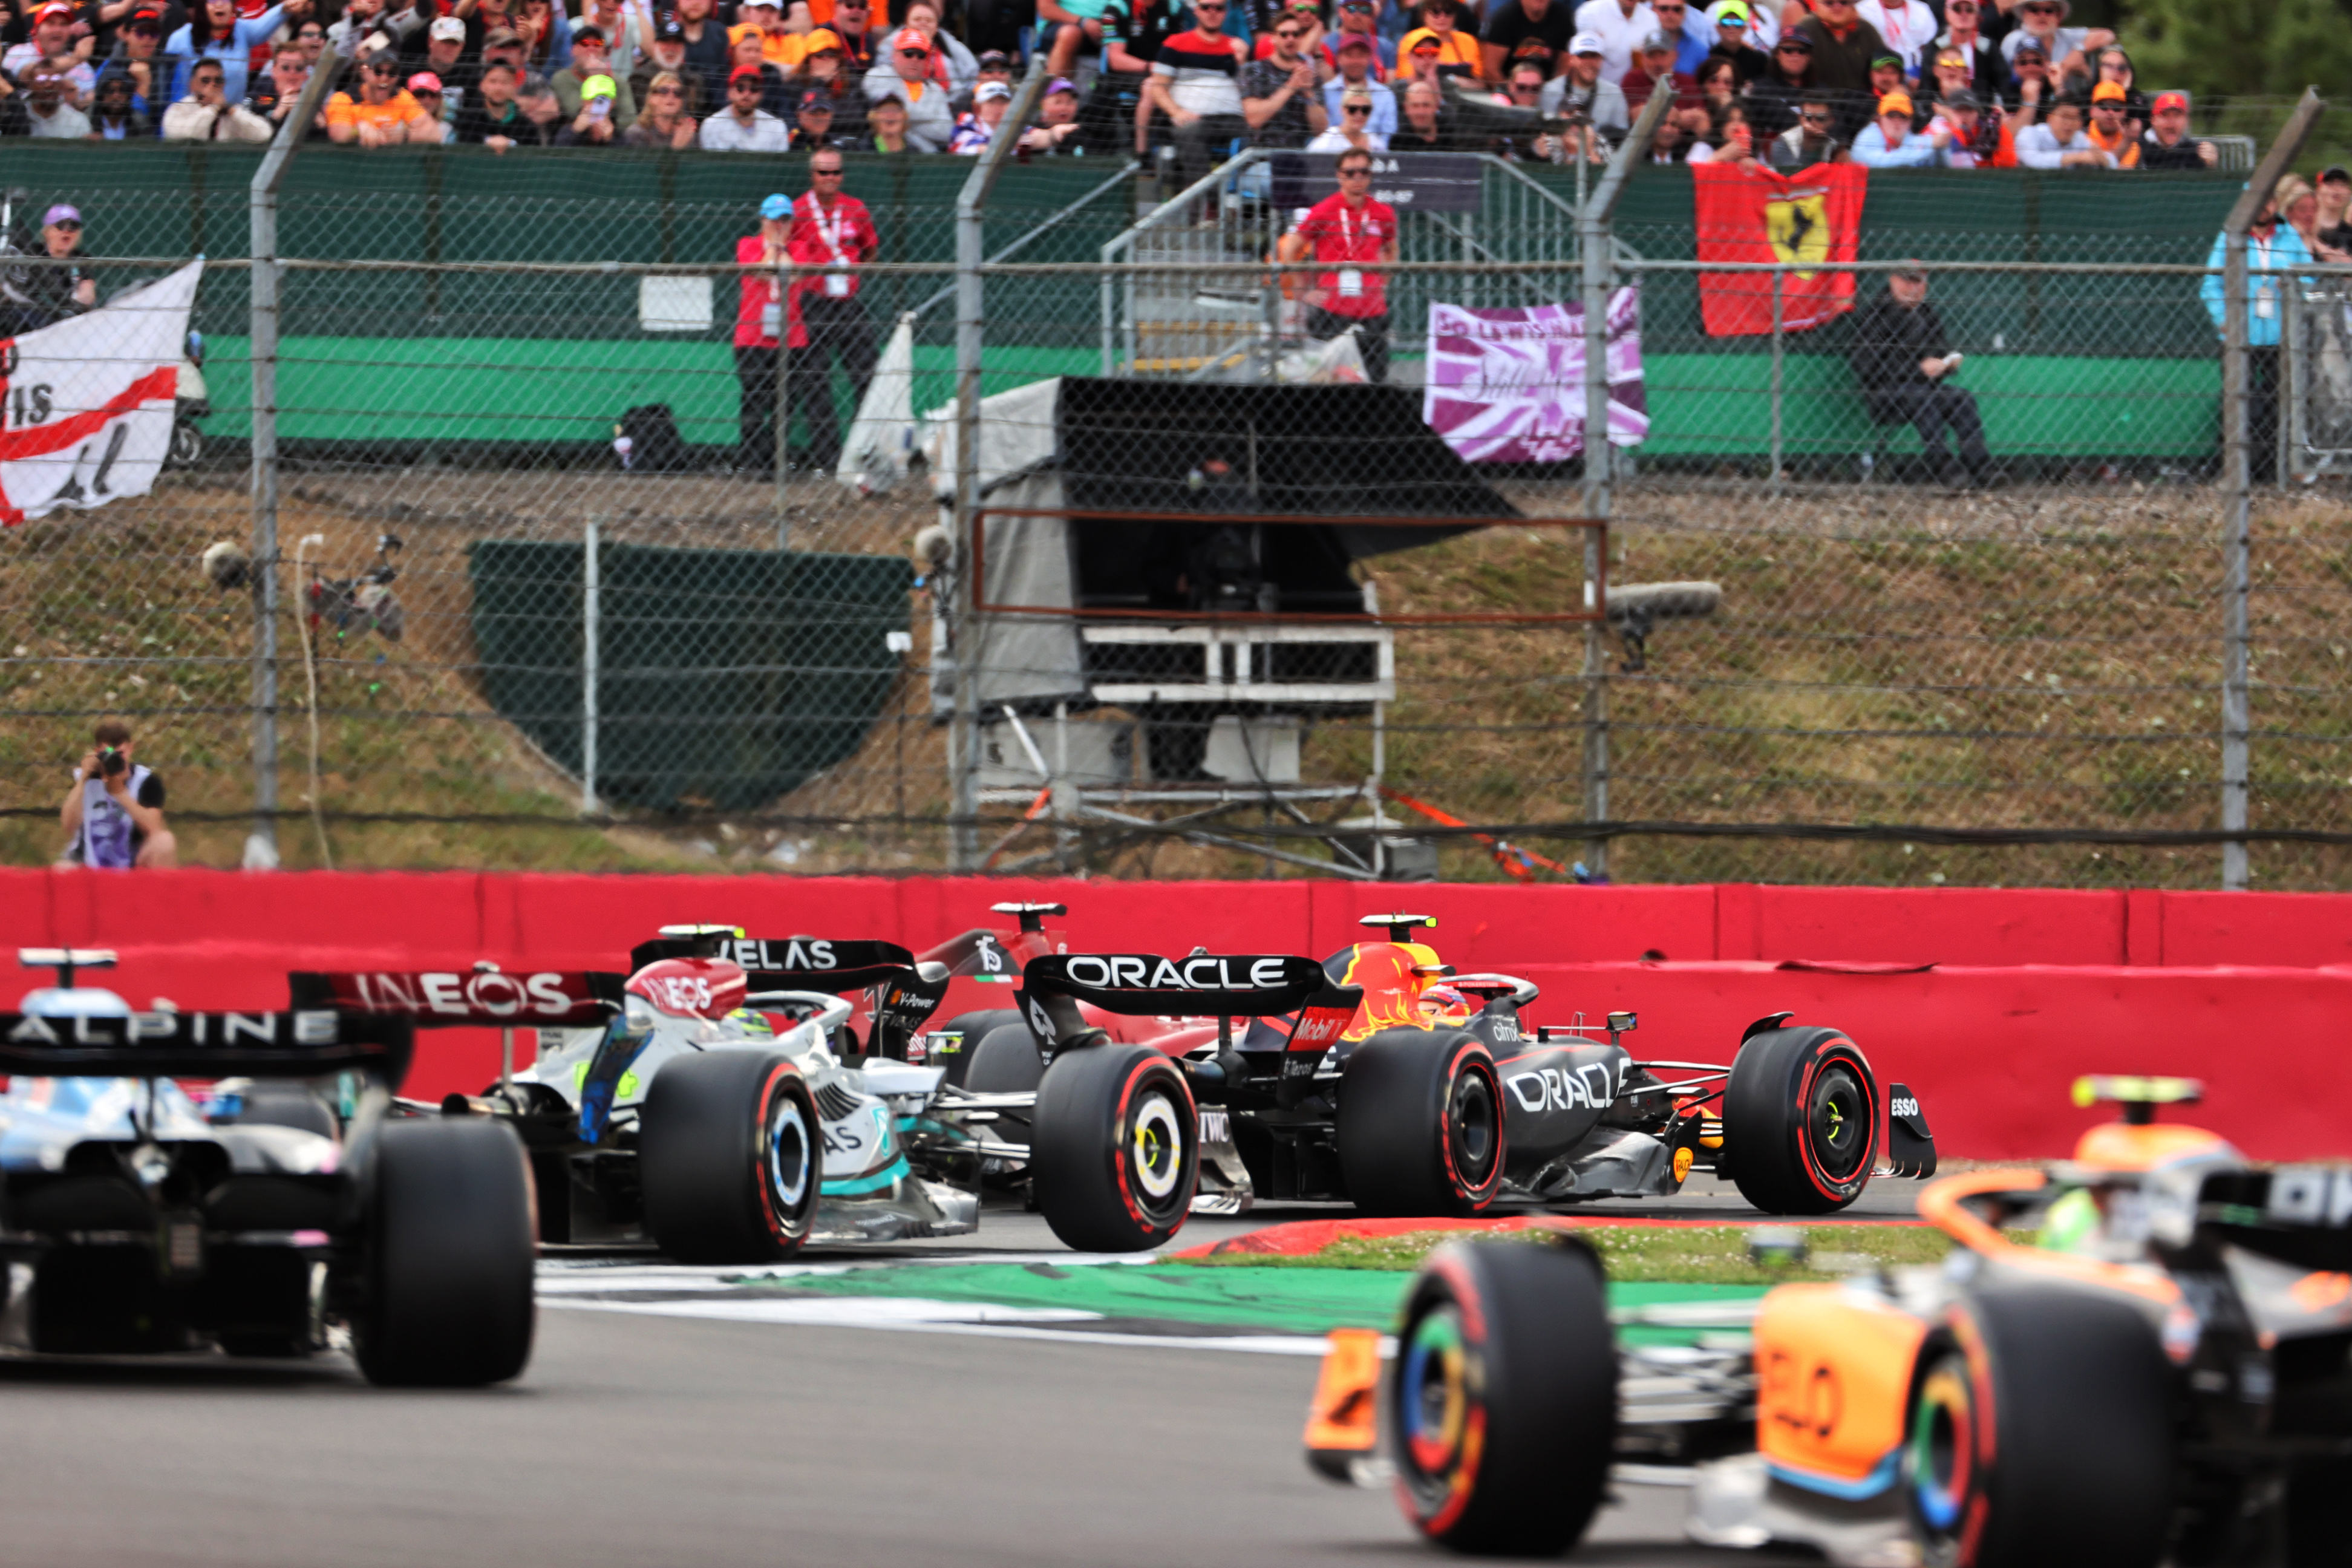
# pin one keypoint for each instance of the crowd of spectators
(1889, 83)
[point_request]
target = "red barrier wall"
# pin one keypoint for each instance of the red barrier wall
(2031, 986)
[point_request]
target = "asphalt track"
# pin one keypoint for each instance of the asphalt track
(680, 1440)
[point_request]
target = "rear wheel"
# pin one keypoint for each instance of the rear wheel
(446, 1297)
(1006, 1062)
(2040, 1435)
(1421, 1124)
(1501, 1406)
(1801, 1121)
(729, 1157)
(970, 1029)
(1116, 1150)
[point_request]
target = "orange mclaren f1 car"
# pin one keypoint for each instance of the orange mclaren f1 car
(2160, 1371)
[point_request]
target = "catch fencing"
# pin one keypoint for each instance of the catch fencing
(676, 657)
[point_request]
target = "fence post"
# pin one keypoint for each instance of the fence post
(1779, 347)
(964, 630)
(261, 843)
(1596, 241)
(2237, 481)
(592, 633)
(783, 398)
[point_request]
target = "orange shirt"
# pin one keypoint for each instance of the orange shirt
(397, 109)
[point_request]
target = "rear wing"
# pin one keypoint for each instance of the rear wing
(1221, 986)
(302, 1042)
(441, 998)
(788, 964)
(905, 992)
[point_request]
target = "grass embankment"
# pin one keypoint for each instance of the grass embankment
(1684, 1255)
(2035, 658)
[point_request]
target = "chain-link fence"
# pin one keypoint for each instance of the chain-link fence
(608, 635)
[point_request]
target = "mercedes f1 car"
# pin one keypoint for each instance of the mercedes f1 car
(1381, 1076)
(2162, 1374)
(720, 1100)
(135, 1219)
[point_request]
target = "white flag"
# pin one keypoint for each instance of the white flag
(86, 404)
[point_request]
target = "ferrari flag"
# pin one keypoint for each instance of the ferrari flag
(86, 404)
(1808, 220)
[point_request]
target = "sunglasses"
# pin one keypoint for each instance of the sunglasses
(663, 92)
(823, 109)
(1355, 173)
(825, 173)
(743, 87)
(1794, 49)
(1357, 108)
(914, 54)
(1815, 119)
(1291, 34)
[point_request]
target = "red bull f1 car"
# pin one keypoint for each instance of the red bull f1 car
(2142, 1355)
(1382, 1078)
(287, 1209)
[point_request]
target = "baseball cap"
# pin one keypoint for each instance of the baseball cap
(1426, 41)
(1587, 44)
(599, 86)
(668, 28)
(1963, 98)
(1060, 84)
(2336, 172)
(770, 5)
(1795, 41)
(993, 59)
(819, 40)
(908, 39)
(55, 8)
(815, 98)
(1654, 43)
(990, 92)
(1896, 103)
(425, 81)
(2165, 101)
(1878, 60)
(776, 207)
(1953, 57)
(1354, 41)
(499, 37)
(2108, 93)
(1733, 14)
(64, 212)
(446, 27)
(1911, 272)
(740, 73)
(2026, 45)
(587, 36)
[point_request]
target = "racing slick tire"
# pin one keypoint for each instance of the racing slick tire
(1116, 1153)
(2040, 1434)
(1801, 1121)
(974, 1027)
(1500, 1408)
(445, 1293)
(730, 1157)
(1420, 1127)
(1006, 1062)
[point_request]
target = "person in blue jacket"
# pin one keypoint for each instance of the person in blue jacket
(2269, 242)
(214, 31)
(1890, 143)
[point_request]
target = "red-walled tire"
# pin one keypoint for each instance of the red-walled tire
(1500, 1408)
(730, 1157)
(1421, 1125)
(1801, 1120)
(1115, 1154)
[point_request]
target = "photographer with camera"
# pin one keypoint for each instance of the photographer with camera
(114, 812)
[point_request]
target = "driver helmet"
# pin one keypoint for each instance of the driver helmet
(1443, 1004)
